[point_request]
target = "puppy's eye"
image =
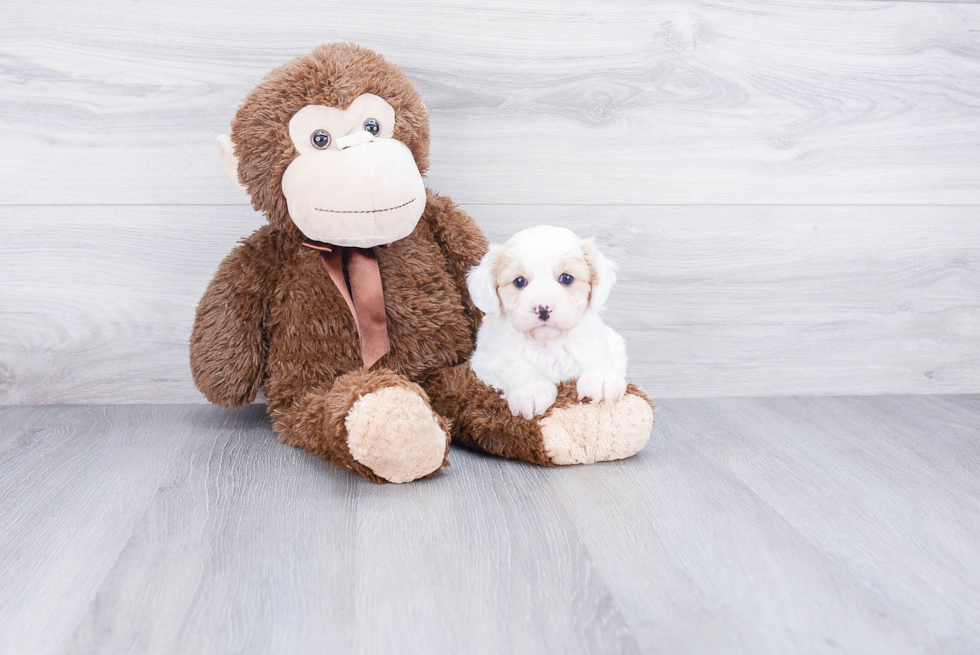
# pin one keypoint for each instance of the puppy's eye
(373, 126)
(565, 279)
(320, 139)
(520, 283)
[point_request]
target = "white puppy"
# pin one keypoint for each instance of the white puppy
(541, 292)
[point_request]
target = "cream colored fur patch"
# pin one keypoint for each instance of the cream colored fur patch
(394, 433)
(597, 432)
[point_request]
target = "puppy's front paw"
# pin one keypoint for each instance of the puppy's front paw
(531, 399)
(601, 386)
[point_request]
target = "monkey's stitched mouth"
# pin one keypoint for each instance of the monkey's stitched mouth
(364, 211)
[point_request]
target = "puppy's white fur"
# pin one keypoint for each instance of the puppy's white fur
(526, 355)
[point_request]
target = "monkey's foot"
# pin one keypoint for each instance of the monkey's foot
(583, 433)
(394, 433)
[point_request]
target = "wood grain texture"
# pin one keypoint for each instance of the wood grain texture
(96, 303)
(767, 525)
(682, 102)
(856, 506)
(75, 481)
(250, 546)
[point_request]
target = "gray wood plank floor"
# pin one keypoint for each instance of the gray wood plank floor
(747, 525)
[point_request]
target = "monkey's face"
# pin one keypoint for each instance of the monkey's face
(352, 184)
(333, 145)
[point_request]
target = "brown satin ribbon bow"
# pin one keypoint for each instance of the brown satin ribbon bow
(365, 298)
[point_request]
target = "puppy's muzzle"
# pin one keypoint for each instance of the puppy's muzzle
(544, 313)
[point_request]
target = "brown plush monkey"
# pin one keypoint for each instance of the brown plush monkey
(351, 305)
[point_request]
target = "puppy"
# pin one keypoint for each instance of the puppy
(541, 292)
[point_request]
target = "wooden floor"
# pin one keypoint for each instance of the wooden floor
(747, 525)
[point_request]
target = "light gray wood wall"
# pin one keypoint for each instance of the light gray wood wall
(792, 190)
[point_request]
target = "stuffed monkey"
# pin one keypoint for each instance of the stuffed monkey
(350, 307)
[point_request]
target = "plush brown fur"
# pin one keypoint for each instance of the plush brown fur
(272, 317)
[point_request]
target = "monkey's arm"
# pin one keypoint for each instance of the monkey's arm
(228, 346)
(461, 242)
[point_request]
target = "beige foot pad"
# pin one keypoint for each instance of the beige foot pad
(395, 434)
(584, 433)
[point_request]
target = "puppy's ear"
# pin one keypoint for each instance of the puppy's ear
(603, 273)
(482, 282)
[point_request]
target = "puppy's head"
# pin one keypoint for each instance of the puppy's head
(544, 279)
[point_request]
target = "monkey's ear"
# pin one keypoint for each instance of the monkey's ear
(603, 273)
(482, 283)
(229, 162)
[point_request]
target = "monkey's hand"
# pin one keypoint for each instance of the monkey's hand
(228, 345)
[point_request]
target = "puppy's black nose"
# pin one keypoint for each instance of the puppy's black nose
(543, 312)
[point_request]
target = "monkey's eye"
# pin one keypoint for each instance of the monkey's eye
(373, 126)
(520, 283)
(320, 139)
(565, 279)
